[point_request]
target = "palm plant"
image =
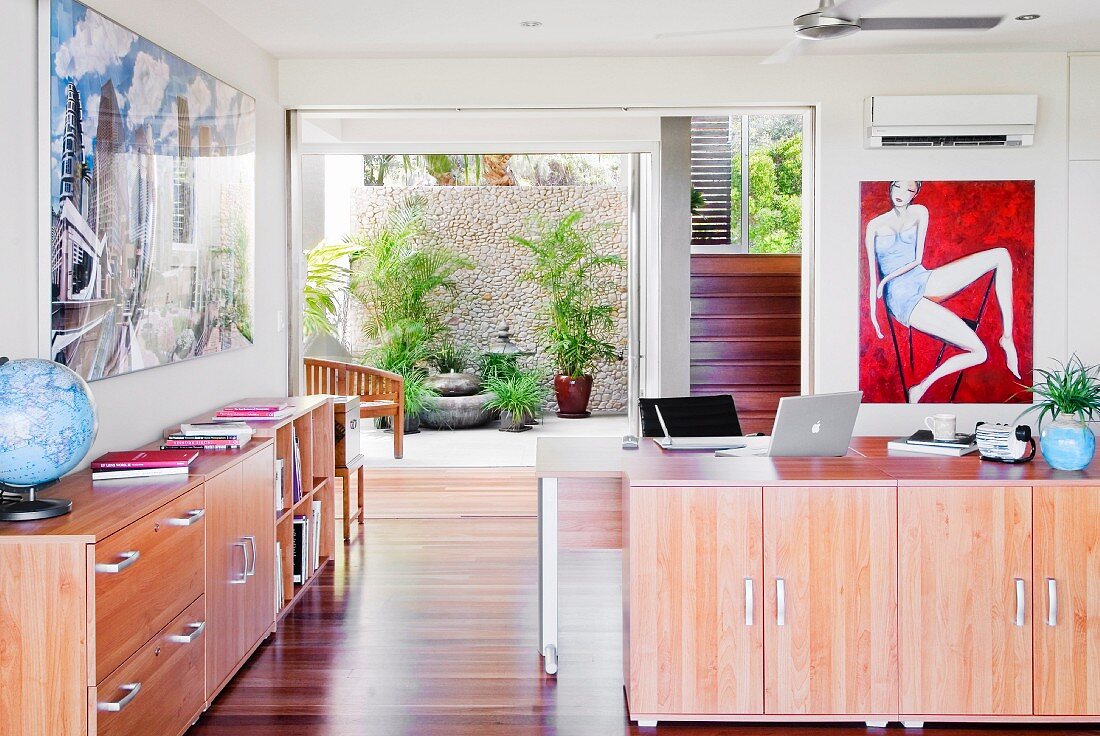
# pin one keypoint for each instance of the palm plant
(450, 357)
(577, 325)
(327, 276)
(497, 365)
(401, 275)
(404, 351)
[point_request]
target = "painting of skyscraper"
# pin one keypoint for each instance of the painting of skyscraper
(152, 194)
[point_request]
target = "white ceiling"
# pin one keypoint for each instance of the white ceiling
(451, 29)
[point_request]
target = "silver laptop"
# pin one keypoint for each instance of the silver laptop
(815, 426)
(668, 442)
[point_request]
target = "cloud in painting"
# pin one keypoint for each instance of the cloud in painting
(228, 102)
(96, 45)
(198, 97)
(146, 93)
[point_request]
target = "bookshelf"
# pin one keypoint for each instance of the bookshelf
(311, 424)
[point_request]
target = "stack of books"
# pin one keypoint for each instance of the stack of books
(142, 463)
(923, 442)
(253, 412)
(209, 436)
(307, 543)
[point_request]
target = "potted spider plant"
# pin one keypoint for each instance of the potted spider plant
(577, 325)
(1070, 394)
(517, 397)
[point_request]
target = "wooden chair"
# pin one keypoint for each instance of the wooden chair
(354, 467)
(381, 393)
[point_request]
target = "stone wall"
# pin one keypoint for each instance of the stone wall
(477, 222)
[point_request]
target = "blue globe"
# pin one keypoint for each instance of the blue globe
(47, 421)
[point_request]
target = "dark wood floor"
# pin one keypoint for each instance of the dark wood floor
(427, 627)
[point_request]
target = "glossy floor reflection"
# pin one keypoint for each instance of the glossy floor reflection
(427, 627)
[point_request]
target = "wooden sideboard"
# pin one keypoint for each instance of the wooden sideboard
(877, 587)
(128, 616)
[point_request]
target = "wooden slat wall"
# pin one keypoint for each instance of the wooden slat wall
(711, 170)
(746, 331)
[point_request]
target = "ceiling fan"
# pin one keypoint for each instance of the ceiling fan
(837, 19)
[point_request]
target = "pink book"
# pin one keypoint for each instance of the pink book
(145, 459)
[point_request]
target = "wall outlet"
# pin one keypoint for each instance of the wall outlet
(280, 321)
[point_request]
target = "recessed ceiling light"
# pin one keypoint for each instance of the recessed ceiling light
(531, 23)
(1028, 16)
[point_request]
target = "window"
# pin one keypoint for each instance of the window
(763, 211)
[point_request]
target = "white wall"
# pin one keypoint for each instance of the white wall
(837, 87)
(134, 408)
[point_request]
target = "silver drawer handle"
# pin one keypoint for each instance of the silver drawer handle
(244, 571)
(128, 558)
(749, 602)
(780, 602)
(192, 517)
(250, 567)
(1052, 602)
(1020, 603)
(197, 628)
(117, 705)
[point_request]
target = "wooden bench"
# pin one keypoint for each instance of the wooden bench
(381, 393)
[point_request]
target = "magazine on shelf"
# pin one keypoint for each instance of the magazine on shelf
(279, 503)
(296, 471)
(315, 540)
(217, 429)
(144, 459)
(236, 417)
(254, 408)
(280, 591)
(301, 547)
(136, 473)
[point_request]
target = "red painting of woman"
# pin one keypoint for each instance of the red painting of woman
(948, 271)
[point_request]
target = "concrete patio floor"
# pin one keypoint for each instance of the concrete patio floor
(481, 447)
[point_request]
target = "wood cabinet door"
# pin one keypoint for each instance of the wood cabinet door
(830, 571)
(1067, 601)
(692, 576)
(259, 530)
(964, 576)
(227, 558)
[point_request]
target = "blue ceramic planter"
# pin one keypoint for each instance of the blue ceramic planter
(1067, 444)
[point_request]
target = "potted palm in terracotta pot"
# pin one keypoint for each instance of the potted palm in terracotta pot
(577, 325)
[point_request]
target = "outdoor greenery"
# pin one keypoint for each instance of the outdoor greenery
(401, 274)
(404, 350)
(520, 394)
(443, 169)
(497, 365)
(451, 357)
(775, 195)
(1072, 389)
(577, 323)
(327, 277)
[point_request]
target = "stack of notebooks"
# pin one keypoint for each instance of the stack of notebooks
(209, 436)
(253, 412)
(142, 464)
(307, 543)
(923, 442)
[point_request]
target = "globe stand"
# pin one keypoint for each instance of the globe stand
(14, 508)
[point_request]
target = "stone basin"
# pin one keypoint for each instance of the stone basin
(457, 412)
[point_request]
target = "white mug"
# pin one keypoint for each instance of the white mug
(942, 426)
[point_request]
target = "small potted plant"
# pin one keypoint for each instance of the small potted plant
(517, 397)
(577, 325)
(1071, 395)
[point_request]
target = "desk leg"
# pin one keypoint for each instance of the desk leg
(548, 573)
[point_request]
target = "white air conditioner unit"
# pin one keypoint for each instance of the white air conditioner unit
(950, 120)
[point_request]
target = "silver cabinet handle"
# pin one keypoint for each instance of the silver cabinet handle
(749, 602)
(192, 517)
(1020, 602)
(196, 631)
(780, 602)
(244, 570)
(128, 558)
(250, 566)
(1052, 602)
(116, 705)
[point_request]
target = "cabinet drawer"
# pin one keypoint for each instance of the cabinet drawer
(159, 690)
(145, 575)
